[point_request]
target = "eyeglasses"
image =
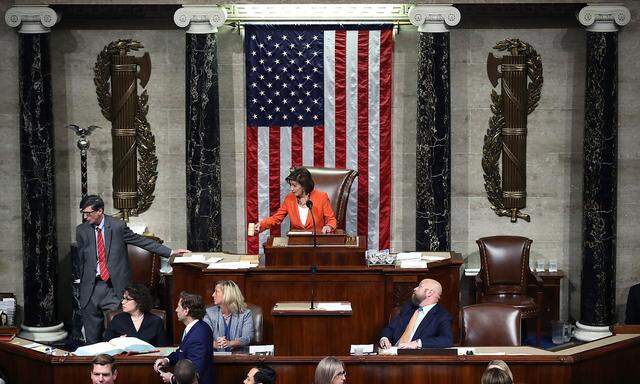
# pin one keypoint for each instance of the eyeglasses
(342, 373)
(125, 298)
(87, 212)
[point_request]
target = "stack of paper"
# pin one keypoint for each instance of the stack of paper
(413, 263)
(435, 256)
(196, 258)
(8, 307)
(334, 306)
(232, 265)
(409, 256)
(116, 346)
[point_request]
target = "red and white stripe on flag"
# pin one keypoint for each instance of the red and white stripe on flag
(356, 134)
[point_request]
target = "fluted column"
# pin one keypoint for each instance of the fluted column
(204, 231)
(37, 172)
(433, 138)
(598, 281)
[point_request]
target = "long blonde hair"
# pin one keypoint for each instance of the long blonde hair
(327, 370)
(232, 296)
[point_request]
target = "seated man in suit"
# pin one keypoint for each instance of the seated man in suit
(633, 305)
(197, 340)
(103, 370)
(261, 374)
(422, 323)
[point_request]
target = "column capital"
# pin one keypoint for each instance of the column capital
(604, 18)
(200, 18)
(31, 18)
(436, 18)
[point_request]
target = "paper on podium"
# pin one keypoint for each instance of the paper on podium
(389, 351)
(334, 306)
(435, 256)
(359, 349)
(232, 265)
(116, 346)
(196, 258)
(299, 233)
(409, 256)
(413, 264)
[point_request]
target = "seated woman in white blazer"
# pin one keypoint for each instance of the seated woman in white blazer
(230, 319)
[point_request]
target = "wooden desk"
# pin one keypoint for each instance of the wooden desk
(612, 360)
(301, 331)
(308, 255)
(372, 291)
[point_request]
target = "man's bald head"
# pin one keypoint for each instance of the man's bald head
(427, 292)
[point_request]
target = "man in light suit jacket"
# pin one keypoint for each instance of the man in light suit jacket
(102, 249)
(422, 323)
(197, 340)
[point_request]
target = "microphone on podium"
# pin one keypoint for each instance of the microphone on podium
(309, 205)
(314, 269)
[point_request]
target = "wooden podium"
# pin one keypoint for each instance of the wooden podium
(301, 249)
(302, 331)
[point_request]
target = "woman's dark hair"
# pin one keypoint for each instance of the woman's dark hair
(141, 295)
(302, 176)
(495, 376)
(193, 303)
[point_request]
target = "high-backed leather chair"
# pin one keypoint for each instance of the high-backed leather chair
(158, 312)
(145, 267)
(257, 323)
(337, 184)
(505, 274)
(490, 325)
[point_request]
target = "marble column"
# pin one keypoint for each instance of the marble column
(433, 136)
(597, 305)
(204, 231)
(37, 172)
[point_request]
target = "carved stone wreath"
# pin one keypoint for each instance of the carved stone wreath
(493, 138)
(145, 140)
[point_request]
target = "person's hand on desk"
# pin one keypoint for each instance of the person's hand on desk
(409, 345)
(166, 377)
(159, 363)
(179, 252)
(385, 343)
(327, 229)
(256, 228)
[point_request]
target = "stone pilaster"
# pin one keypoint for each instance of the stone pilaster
(37, 172)
(433, 137)
(204, 231)
(597, 308)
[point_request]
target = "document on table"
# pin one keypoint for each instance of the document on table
(334, 306)
(196, 258)
(232, 265)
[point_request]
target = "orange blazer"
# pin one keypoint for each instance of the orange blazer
(322, 212)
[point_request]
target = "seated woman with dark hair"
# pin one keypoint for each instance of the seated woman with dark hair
(301, 204)
(135, 320)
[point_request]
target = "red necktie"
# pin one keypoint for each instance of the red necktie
(102, 260)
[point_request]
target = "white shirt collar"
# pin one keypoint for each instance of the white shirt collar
(189, 326)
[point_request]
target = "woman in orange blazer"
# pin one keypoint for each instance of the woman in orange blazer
(295, 205)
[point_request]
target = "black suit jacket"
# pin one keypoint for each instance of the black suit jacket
(116, 237)
(434, 330)
(633, 305)
(197, 346)
(151, 329)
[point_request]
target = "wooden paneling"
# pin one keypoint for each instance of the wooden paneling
(372, 291)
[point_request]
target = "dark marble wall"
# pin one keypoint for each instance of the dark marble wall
(600, 173)
(203, 144)
(40, 252)
(433, 144)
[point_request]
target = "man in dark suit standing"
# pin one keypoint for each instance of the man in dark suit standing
(422, 323)
(633, 305)
(102, 249)
(197, 340)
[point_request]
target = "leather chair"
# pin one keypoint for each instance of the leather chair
(490, 325)
(257, 323)
(158, 312)
(504, 276)
(145, 266)
(337, 184)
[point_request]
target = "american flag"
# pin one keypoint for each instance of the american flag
(320, 96)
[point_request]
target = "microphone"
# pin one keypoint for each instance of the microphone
(314, 269)
(309, 205)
